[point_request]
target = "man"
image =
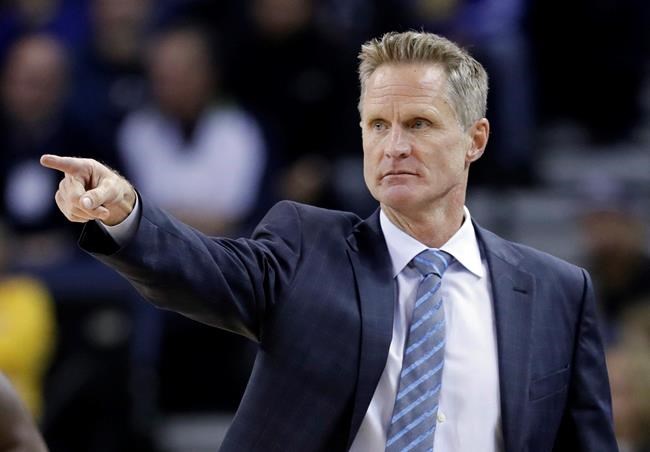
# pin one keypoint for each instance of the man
(341, 307)
(17, 430)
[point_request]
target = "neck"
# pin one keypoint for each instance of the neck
(432, 227)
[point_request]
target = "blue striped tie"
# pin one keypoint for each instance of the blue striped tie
(413, 424)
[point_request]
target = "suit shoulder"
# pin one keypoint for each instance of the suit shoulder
(539, 257)
(314, 218)
(531, 259)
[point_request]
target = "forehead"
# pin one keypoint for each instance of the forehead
(408, 83)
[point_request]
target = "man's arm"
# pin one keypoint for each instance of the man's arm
(587, 423)
(17, 430)
(229, 284)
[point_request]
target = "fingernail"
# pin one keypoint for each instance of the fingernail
(87, 202)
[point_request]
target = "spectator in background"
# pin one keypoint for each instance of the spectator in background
(64, 19)
(33, 90)
(615, 238)
(17, 430)
(32, 120)
(109, 80)
(27, 332)
(211, 152)
(629, 370)
(297, 81)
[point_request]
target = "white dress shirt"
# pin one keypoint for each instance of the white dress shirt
(469, 414)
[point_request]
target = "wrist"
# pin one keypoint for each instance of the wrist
(121, 209)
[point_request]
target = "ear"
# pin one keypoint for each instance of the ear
(478, 135)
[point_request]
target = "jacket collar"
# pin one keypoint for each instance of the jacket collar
(377, 290)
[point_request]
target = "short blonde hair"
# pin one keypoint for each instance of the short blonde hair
(467, 79)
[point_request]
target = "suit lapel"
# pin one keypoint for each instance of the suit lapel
(376, 291)
(513, 294)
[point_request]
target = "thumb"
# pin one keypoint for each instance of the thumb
(104, 193)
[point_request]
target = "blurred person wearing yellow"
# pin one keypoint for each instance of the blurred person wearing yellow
(27, 333)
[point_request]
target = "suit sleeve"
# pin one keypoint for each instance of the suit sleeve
(226, 283)
(587, 422)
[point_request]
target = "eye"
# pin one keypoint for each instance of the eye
(378, 125)
(420, 124)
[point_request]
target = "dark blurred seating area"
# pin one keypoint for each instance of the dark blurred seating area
(215, 110)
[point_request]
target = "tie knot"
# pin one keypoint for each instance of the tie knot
(432, 262)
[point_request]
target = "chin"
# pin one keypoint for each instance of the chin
(398, 198)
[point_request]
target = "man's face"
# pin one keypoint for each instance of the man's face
(415, 151)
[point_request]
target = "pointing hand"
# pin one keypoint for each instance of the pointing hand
(91, 191)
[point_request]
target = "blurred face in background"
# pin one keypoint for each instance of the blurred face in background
(119, 27)
(281, 17)
(181, 73)
(611, 233)
(34, 80)
(36, 11)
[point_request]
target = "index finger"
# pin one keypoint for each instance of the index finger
(69, 165)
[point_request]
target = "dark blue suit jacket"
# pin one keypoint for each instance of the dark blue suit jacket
(314, 288)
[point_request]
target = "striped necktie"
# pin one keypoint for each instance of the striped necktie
(413, 424)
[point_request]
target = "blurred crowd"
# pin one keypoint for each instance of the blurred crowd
(217, 109)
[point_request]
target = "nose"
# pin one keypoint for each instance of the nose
(399, 146)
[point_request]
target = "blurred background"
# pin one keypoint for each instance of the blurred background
(217, 109)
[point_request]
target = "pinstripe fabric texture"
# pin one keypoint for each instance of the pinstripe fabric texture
(413, 423)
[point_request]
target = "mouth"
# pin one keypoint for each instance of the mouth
(398, 173)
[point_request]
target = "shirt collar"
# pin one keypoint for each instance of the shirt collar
(463, 245)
